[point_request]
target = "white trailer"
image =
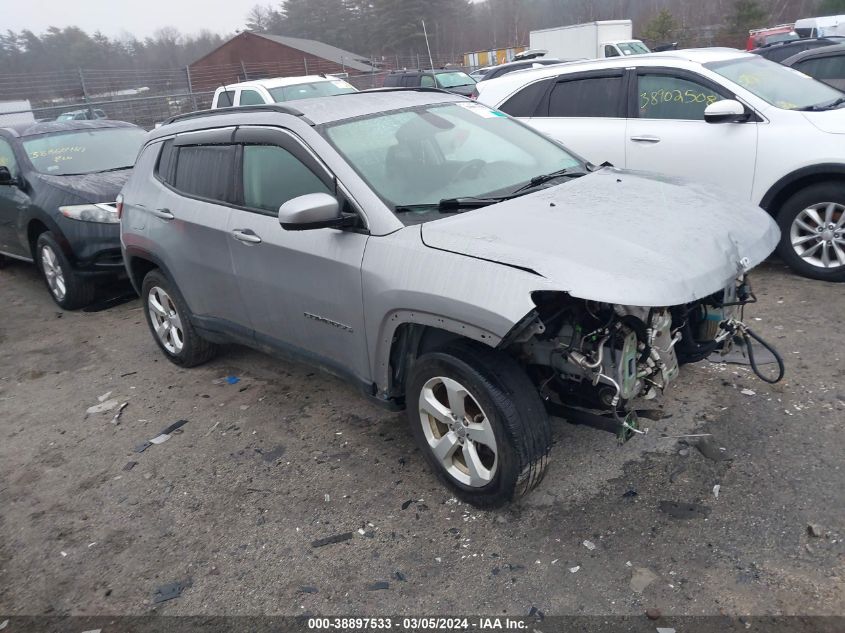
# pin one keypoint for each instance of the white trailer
(606, 38)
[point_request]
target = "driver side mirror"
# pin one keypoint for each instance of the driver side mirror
(6, 177)
(313, 211)
(725, 111)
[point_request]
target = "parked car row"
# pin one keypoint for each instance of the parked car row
(444, 257)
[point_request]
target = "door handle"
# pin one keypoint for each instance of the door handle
(164, 214)
(245, 235)
(646, 139)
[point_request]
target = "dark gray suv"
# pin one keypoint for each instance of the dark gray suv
(445, 258)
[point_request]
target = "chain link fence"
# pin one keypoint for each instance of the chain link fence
(147, 97)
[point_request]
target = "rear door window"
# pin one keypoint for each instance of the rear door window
(250, 97)
(272, 176)
(587, 97)
(662, 96)
(823, 68)
(206, 171)
(427, 81)
(7, 158)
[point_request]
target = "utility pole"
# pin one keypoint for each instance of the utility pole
(430, 60)
(85, 94)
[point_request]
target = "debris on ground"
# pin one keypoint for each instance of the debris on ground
(307, 589)
(716, 490)
(653, 614)
(707, 447)
(331, 540)
(232, 380)
(630, 494)
(104, 397)
(683, 510)
(815, 530)
(748, 392)
(130, 466)
(378, 586)
(665, 630)
(407, 503)
(129, 373)
(589, 545)
(170, 591)
(575, 569)
(162, 437)
(105, 405)
(119, 413)
(211, 430)
(399, 576)
(534, 612)
(641, 578)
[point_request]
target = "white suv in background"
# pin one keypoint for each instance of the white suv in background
(278, 90)
(750, 126)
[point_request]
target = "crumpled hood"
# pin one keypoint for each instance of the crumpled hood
(618, 237)
(830, 121)
(97, 187)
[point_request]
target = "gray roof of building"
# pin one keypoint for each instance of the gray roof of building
(320, 49)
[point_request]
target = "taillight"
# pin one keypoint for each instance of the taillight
(119, 205)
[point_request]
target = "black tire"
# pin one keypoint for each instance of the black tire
(78, 291)
(510, 400)
(195, 349)
(814, 194)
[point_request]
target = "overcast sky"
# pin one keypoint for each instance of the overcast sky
(139, 17)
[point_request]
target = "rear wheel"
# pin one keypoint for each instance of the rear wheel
(67, 287)
(480, 423)
(812, 224)
(170, 322)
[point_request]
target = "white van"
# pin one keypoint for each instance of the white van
(821, 27)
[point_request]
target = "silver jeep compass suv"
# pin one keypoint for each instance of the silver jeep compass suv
(443, 256)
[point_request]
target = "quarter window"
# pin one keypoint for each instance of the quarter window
(667, 97)
(272, 176)
(250, 97)
(589, 97)
(206, 171)
(524, 103)
(823, 68)
(224, 99)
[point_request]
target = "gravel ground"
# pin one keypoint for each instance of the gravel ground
(287, 455)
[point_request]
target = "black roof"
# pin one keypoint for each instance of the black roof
(778, 51)
(822, 51)
(49, 127)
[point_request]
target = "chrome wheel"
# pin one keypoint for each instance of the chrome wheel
(818, 235)
(165, 320)
(53, 272)
(458, 431)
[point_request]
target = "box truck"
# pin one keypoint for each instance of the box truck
(607, 38)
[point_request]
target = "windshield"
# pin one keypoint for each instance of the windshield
(450, 80)
(310, 90)
(84, 151)
(777, 85)
(436, 152)
(633, 48)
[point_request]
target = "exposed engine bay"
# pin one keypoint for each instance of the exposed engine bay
(599, 356)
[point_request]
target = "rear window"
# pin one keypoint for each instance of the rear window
(84, 151)
(311, 90)
(454, 79)
(206, 171)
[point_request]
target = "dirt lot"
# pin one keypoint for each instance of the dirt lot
(287, 455)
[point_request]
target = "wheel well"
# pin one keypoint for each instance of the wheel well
(33, 230)
(410, 341)
(774, 205)
(138, 269)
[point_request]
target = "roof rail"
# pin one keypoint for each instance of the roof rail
(407, 89)
(269, 107)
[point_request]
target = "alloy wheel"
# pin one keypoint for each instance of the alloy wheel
(458, 431)
(817, 235)
(165, 319)
(53, 272)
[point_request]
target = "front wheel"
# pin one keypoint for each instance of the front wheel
(480, 423)
(812, 225)
(67, 287)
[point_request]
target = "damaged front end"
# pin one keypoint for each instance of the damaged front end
(592, 360)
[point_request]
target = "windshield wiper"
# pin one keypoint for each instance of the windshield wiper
(448, 205)
(536, 181)
(99, 171)
(819, 107)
